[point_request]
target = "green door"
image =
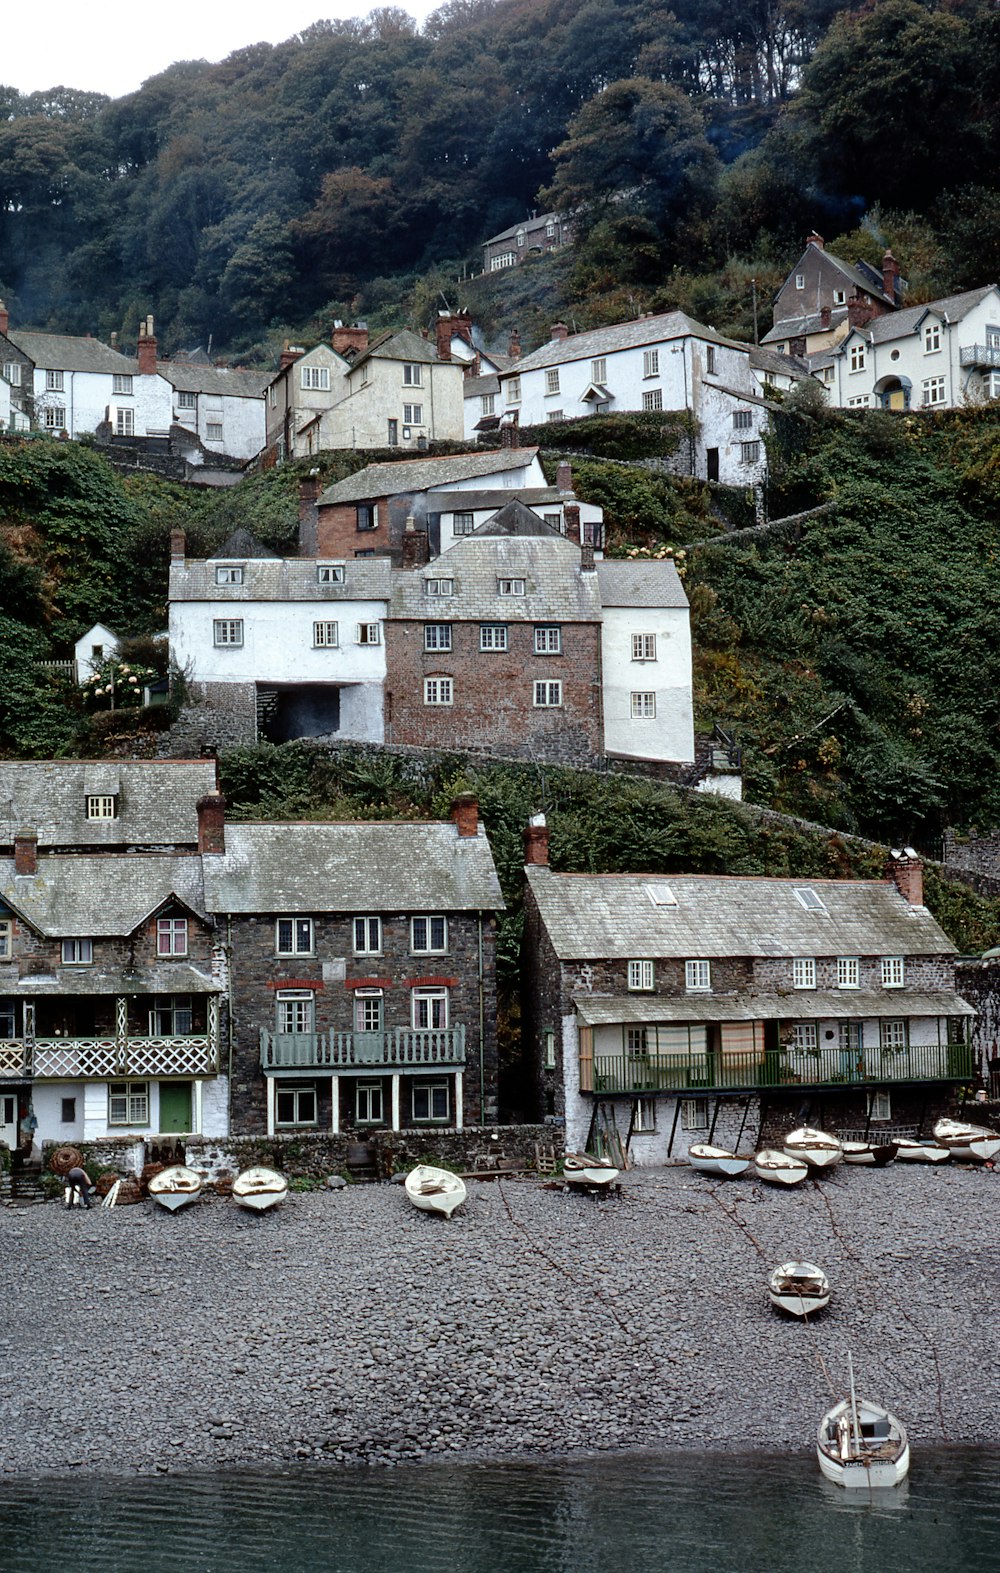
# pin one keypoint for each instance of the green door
(175, 1108)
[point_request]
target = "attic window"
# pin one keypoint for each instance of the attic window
(808, 898)
(102, 805)
(229, 573)
(839, 297)
(661, 895)
(329, 573)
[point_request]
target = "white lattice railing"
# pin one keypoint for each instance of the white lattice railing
(12, 1059)
(194, 1055)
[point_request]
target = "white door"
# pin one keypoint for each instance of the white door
(8, 1118)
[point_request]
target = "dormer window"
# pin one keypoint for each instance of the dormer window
(857, 357)
(510, 587)
(171, 936)
(932, 338)
(439, 586)
(102, 805)
(229, 573)
(329, 573)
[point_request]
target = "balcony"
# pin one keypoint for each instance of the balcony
(752, 1071)
(399, 1048)
(980, 355)
(13, 1058)
(103, 1058)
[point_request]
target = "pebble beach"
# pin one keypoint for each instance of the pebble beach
(347, 1327)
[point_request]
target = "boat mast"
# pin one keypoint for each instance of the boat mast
(854, 1406)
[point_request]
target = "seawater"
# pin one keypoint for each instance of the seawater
(688, 1513)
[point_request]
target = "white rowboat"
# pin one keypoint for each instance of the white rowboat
(861, 1444)
(816, 1148)
(910, 1151)
(718, 1161)
(973, 1143)
(778, 1168)
(800, 1288)
(175, 1187)
(585, 1171)
(871, 1153)
(258, 1189)
(434, 1190)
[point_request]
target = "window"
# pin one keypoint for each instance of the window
(932, 338)
(68, 1115)
(493, 636)
(329, 573)
(804, 1037)
(413, 374)
(55, 418)
(413, 415)
(102, 805)
(53, 382)
(430, 1102)
(228, 631)
(742, 420)
(294, 1010)
(439, 587)
(554, 521)
(550, 230)
(643, 706)
(847, 972)
(128, 1103)
(124, 421)
(439, 691)
(800, 281)
(368, 1010)
(429, 935)
(636, 1043)
(520, 237)
(644, 647)
(857, 357)
(599, 369)
(171, 1016)
(367, 936)
(295, 1105)
(213, 431)
(510, 587)
(749, 452)
(548, 696)
(710, 359)
(893, 1035)
(654, 400)
(549, 1049)
(392, 431)
(548, 640)
(694, 1114)
(849, 1037)
(77, 952)
(879, 1105)
(229, 573)
(661, 895)
(839, 297)
(650, 363)
(368, 1103)
(430, 1008)
(859, 401)
(641, 976)
(12, 372)
(316, 378)
(513, 390)
(644, 1116)
(6, 939)
(893, 972)
(803, 972)
(326, 636)
(293, 937)
(554, 415)
(697, 975)
(463, 523)
(171, 936)
(807, 897)
(934, 390)
(189, 401)
(366, 516)
(488, 402)
(369, 633)
(503, 259)
(120, 383)
(552, 380)
(437, 636)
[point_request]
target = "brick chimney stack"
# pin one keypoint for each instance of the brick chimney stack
(824, 316)
(571, 513)
(416, 552)
(587, 557)
(212, 823)
(514, 347)
(509, 429)
(309, 489)
(4, 317)
(536, 841)
(452, 325)
(178, 546)
(564, 475)
(349, 341)
(860, 311)
(289, 355)
(559, 331)
(906, 870)
(25, 851)
(465, 814)
(815, 240)
(890, 276)
(146, 348)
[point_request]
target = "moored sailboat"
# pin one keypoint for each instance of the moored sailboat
(861, 1444)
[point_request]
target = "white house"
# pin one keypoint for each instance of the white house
(74, 385)
(940, 355)
(91, 649)
(663, 363)
(223, 408)
(645, 660)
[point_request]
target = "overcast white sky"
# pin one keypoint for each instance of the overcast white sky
(112, 49)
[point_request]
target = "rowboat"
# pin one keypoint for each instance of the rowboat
(435, 1190)
(815, 1148)
(877, 1153)
(175, 1187)
(778, 1168)
(258, 1189)
(861, 1444)
(718, 1161)
(800, 1288)
(586, 1172)
(973, 1143)
(910, 1151)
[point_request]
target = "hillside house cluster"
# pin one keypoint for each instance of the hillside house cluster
(163, 973)
(535, 236)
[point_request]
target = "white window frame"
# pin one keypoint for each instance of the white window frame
(121, 382)
(934, 390)
(429, 934)
(413, 374)
(102, 805)
(800, 281)
(644, 647)
(653, 400)
(804, 1037)
(641, 977)
(879, 1104)
(55, 417)
(857, 358)
(326, 635)
(12, 372)
(439, 691)
(369, 1095)
(643, 705)
(839, 297)
(548, 639)
(694, 1114)
(510, 587)
(229, 573)
(54, 382)
(599, 369)
(549, 1048)
(932, 338)
(437, 636)
(369, 633)
(6, 938)
(893, 972)
(493, 637)
(463, 522)
(547, 694)
(750, 452)
(892, 1033)
(551, 380)
(295, 1012)
(171, 936)
(439, 587)
(369, 1008)
(213, 431)
(512, 390)
(413, 415)
(650, 363)
(227, 633)
(554, 415)
(488, 403)
(189, 401)
(330, 573)
(294, 936)
(848, 972)
(77, 952)
(124, 421)
(803, 972)
(430, 1007)
(315, 379)
(298, 1095)
(128, 1103)
(367, 931)
(698, 977)
(644, 1117)
(433, 1092)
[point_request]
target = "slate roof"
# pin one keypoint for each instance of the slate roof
(97, 896)
(63, 352)
(282, 579)
(636, 582)
(802, 1004)
(619, 336)
(156, 800)
(378, 867)
(489, 382)
(194, 378)
(529, 225)
(898, 324)
(555, 588)
(417, 475)
(401, 345)
(783, 365)
(472, 502)
(168, 978)
(612, 916)
(800, 327)
(514, 518)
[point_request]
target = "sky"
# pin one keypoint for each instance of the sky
(107, 49)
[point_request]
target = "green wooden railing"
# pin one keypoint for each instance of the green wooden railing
(397, 1046)
(735, 1072)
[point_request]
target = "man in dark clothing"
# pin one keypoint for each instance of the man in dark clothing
(77, 1180)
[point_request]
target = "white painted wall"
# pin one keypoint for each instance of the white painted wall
(277, 642)
(88, 398)
(83, 651)
(669, 735)
(375, 393)
(908, 359)
(241, 418)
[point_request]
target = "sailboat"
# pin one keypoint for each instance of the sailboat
(861, 1444)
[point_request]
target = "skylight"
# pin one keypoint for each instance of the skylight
(808, 898)
(661, 895)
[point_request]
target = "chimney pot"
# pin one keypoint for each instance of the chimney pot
(536, 841)
(212, 823)
(465, 814)
(559, 331)
(906, 870)
(146, 349)
(26, 851)
(350, 341)
(815, 240)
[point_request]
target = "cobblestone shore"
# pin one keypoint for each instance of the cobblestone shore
(347, 1326)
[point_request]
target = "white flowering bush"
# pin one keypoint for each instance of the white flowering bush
(116, 684)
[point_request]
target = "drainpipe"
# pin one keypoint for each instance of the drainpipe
(482, 1029)
(229, 1030)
